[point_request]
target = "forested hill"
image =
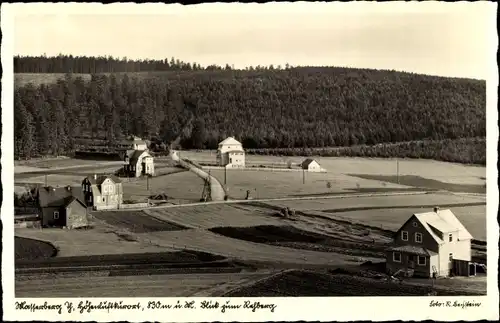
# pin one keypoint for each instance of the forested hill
(290, 107)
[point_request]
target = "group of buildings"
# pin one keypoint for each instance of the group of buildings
(230, 154)
(430, 244)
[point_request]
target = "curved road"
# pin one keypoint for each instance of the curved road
(216, 189)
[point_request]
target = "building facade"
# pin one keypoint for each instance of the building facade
(103, 192)
(230, 153)
(428, 244)
(62, 207)
(311, 165)
(138, 163)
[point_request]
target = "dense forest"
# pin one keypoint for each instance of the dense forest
(264, 107)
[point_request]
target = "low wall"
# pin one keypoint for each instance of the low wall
(133, 206)
(264, 169)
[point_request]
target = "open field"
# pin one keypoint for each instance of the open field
(136, 221)
(202, 240)
(472, 217)
(181, 285)
(100, 240)
(56, 163)
(428, 201)
(214, 215)
(309, 283)
(179, 186)
(29, 249)
(430, 169)
(266, 184)
(417, 181)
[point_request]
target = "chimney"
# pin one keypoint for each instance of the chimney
(436, 209)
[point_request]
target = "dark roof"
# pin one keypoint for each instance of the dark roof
(307, 162)
(413, 250)
(135, 156)
(102, 178)
(59, 196)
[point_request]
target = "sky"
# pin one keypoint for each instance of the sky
(447, 39)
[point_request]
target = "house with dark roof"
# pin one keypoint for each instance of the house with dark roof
(230, 153)
(62, 207)
(103, 192)
(311, 165)
(430, 244)
(138, 163)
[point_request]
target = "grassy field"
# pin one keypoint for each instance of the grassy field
(215, 215)
(472, 217)
(181, 285)
(308, 283)
(267, 184)
(430, 169)
(31, 249)
(136, 221)
(428, 201)
(22, 79)
(101, 240)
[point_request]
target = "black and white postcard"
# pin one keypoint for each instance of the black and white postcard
(249, 162)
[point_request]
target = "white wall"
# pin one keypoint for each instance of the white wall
(462, 250)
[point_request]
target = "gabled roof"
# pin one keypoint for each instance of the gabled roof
(59, 196)
(101, 178)
(229, 141)
(307, 162)
(134, 155)
(444, 221)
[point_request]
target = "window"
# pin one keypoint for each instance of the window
(415, 224)
(450, 237)
(103, 199)
(56, 215)
(421, 261)
(396, 257)
(404, 235)
(418, 237)
(111, 189)
(450, 257)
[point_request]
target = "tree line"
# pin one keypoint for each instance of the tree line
(294, 108)
(109, 64)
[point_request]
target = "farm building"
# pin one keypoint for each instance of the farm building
(133, 143)
(311, 165)
(230, 153)
(62, 207)
(138, 162)
(431, 244)
(103, 192)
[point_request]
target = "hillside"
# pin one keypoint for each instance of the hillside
(265, 108)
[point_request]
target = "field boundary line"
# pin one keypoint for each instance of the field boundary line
(256, 281)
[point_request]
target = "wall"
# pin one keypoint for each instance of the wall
(135, 205)
(462, 250)
(48, 217)
(428, 241)
(419, 270)
(76, 215)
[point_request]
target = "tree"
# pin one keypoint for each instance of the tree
(198, 135)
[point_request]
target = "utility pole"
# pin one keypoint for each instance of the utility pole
(225, 175)
(45, 180)
(303, 176)
(147, 181)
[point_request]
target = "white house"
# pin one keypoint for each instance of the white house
(311, 165)
(230, 153)
(431, 244)
(138, 162)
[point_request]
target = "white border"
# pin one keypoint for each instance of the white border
(288, 309)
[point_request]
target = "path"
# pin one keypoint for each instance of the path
(216, 189)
